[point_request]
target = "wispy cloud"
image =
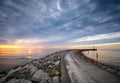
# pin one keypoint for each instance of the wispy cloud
(34, 41)
(97, 37)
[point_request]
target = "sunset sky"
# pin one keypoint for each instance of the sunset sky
(59, 23)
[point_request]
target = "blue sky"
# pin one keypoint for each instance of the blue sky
(59, 22)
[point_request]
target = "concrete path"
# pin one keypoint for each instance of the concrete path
(81, 71)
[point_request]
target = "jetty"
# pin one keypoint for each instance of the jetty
(65, 66)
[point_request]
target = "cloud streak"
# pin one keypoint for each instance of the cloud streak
(58, 5)
(98, 37)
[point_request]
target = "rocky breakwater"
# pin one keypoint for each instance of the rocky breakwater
(43, 70)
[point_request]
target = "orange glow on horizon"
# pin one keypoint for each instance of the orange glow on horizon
(11, 46)
(7, 50)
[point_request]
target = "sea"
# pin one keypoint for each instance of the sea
(110, 57)
(11, 61)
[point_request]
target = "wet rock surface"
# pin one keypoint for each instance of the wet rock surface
(42, 70)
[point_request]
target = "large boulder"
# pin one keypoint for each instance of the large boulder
(32, 69)
(11, 73)
(19, 81)
(40, 76)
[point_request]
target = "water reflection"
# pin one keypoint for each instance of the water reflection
(10, 62)
(110, 57)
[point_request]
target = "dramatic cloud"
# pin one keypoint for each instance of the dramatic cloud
(58, 22)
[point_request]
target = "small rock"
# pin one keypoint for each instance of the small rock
(50, 66)
(32, 69)
(44, 81)
(21, 76)
(56, 79)
(57, 62)
(40, 75)
(57, 73)
(118, 73)
(19, 81)
(104, 67)
(112, 70)
(48, 62)
(2, 80)
(1, 75)
(25, 67)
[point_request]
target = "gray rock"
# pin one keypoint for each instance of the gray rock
(35, 62)
(56, 79)
(39, 76)
(44, 81)
(21, 76)
(12, 72)
(32, 69)
(50, 66)
(48, 62)
(104, 67)
(57, 73)
(112, 70)
(19, 81)
(2, 80)
(25, 67)
(57, 62)
(1, 75)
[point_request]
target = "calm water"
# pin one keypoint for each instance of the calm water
(7, 63)
(107, 56)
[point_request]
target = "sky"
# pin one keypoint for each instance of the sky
(58, 23)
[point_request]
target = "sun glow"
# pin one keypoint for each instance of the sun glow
(11, 46)
(7, 50)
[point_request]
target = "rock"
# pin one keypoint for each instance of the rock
(21, 76)
(112, 70)
(36, 62)
(48, 62)
(104, 67)
(57, 73)
(57, 62)
(44, 81)
(2, 80)
(19, 81)
(1, 75)
(32, 69)
(39, 76)
(25, 67)
(118, 73)
(59, 57)
(12, 72)
(56, 79)
(50, 66)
